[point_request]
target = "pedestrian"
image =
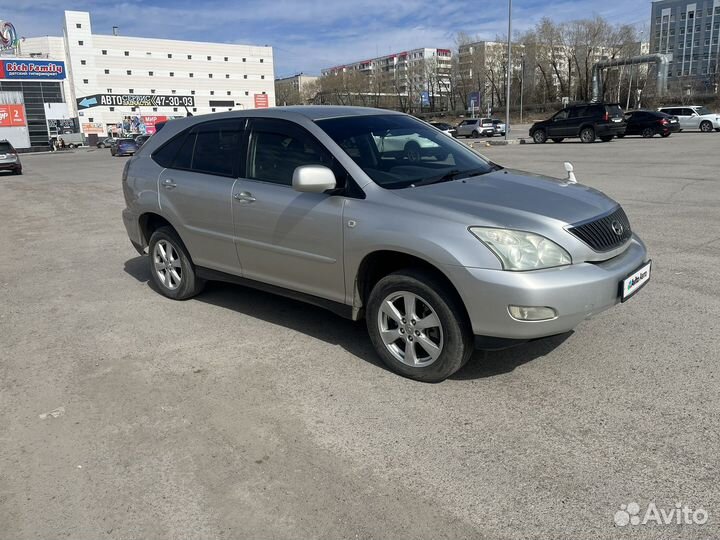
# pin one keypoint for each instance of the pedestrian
(62, 143)
(51, 143)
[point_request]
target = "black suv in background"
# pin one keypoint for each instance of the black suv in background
(9, 159)
(588, 121)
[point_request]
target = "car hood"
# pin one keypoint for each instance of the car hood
(512, 199)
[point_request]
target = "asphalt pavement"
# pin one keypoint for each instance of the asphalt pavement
(239, 414)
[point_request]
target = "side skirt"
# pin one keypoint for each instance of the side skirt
(336, 307)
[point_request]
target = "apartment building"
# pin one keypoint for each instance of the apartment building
(690, 31)
(299, 89)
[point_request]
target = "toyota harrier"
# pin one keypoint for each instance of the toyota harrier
(439, 252)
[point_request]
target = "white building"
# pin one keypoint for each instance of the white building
(118, 80)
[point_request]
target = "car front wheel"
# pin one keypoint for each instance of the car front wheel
(539, 136)
(587, 135)
(648, 133)
(418, 326)
(171, 268)
(706, 127)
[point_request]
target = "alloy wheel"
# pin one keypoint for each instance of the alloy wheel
(706, 127)
(167, 265)
(410, 329)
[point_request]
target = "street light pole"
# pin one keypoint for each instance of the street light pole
(522, 85)
(509, 72)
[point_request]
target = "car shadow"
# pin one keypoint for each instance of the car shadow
(330, 328)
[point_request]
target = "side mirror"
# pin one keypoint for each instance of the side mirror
(313, 179)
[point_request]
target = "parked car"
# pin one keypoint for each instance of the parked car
(409, 145)
(140, 139)
(499, 126)
(123, 147)
(445, 128)
(106, 143)
(650, 123)
(436, 257)
(588, 121)
(476, 127)
(694, 117)
(72, 140)
(9, 159)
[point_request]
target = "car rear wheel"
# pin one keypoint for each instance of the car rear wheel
(705, 126)
(171, 268)
(418, 326)
(648, 133)
(587, 135)
(539, 137)
(475, 134)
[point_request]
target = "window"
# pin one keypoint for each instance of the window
(112, 109)
(155, 109)
(152, 91)
(213, 109)
(191, 75)
(169, 55)
(172, 73)
(212, 92)
(192, 92)
(262, 76)
(151, 73)
(78, 25)
(229, 93)
(85, 81)
(81, 43)
(209, 75)
(244, 59)
(83, 62)
(91, 119)
(148, 53)
(247, 93)
(227, 75)
(226, 58)
(278, 147)
(262, 60)
(174, 91)
(133, 109)
(104, 52)
(562, 115)
(175, 109)
(109, 90)
(209, 57)
(107, 72)
(129, 72)
(127, 53)
(194, 109)
(244, 76)
(131, 91)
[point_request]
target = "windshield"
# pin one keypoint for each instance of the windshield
(703, 110)
(398, 151)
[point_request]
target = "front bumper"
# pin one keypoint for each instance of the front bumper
(576, 292)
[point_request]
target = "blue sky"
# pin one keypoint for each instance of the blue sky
(308, 35)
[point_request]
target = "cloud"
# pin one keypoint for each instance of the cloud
(308, 35)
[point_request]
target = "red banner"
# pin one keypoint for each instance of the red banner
(261, 101)
(150, 122)
(12, 116)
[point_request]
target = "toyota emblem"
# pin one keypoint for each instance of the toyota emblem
(617, 227)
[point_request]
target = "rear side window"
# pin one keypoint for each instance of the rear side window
(210, 148)
(578, 112)
(687, 112)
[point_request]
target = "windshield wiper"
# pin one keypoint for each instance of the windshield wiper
(455, 174)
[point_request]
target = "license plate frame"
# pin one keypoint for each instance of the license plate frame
(625, 293)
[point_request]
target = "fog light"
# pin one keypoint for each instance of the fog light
(532, 313)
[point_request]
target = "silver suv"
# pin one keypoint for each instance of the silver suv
(476, 127)
(439, 253)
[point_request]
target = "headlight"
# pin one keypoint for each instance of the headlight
(520, 250)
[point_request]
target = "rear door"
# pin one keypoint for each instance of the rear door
(283, 237)
(195, 190)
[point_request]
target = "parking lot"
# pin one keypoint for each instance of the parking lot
(239, 414)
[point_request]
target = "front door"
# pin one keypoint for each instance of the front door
(195, 191)
(283, 237)
(559, 126)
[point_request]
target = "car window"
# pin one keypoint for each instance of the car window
(703, 110)
(165, 155)
(614, 111)
(397, 151)
(562, 115)
(578, 112)
(687, 112)
(278, 147)
(217, 147)
(469, 122)
(5, 147)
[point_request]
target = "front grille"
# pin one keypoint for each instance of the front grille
(599, 233)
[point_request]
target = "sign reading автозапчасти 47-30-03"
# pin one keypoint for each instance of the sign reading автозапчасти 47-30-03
(134, 100)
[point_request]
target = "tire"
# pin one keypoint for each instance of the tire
(411, 152)
(587, 135)
(706, 127)
(717, 129)
(475, 135)
(452, 335)
(607, 138)
(665, 135)
(539, 137)
(558, 140)
(181, 285)
(648, 133)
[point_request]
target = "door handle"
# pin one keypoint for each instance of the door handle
(245, 197)
(169, 183)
